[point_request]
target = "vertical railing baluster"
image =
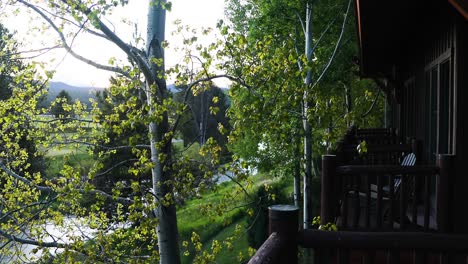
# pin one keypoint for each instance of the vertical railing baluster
(418, 257)
(414, 218)
(368, 201)
(344, 213)
(379, 202)
(427, 201)
(391, 193)
(343, 256)
(403, 202)
(356, 201)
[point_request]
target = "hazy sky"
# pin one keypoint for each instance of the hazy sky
(197, 14)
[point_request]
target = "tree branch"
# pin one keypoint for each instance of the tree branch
(373, 104)
(99, 146)
(47, 189)
(86, 29)
(113, 167)
(301, 21)
(30, 241)
(132, 52)
(336, 46)
(69, 49)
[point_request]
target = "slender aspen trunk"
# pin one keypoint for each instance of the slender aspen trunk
(168, 242)
(297, 172)
(306, 123)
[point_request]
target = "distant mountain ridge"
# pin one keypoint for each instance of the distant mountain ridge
(84, 93)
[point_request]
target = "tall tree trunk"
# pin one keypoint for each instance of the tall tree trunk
(307, 126)
(168, 243)
(297, 171)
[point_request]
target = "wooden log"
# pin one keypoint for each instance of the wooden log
(386, 169)
(376, 148)
(269, 251)
(284, 220)
(281, 245)
(384, 241)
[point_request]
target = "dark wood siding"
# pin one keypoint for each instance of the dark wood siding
(460, 183)
(425, 110)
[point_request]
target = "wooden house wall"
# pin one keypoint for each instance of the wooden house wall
(460, 182)
(435, 114)
(423, 106)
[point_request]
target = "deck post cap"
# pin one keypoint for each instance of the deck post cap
(283, 207)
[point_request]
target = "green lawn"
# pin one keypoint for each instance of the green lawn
(191, 218)
(239, 251)
(213, 216)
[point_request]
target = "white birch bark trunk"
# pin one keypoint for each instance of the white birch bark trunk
(168, 244)
(306, 124)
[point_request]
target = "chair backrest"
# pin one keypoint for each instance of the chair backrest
(408, 160)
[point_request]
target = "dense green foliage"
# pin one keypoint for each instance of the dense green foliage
(13, 121)
(264, 41)
(62, 106)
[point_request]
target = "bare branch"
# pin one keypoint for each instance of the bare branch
(99, 146)
(113, 167)
(82, 26)
(30, 241)
(301, 21)
(62, 120)
(132, 52)
(68, 48)
(336, 46)
(47, 189)
(322, 35)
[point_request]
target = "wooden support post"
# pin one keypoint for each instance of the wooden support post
(284, 220)
(327, 213)
(445, 163)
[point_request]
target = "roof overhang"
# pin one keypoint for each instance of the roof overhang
(461, 6)
(389, 29)
(382, 28)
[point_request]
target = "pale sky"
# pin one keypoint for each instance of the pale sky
(197, 14)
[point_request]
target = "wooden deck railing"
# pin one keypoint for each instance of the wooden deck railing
(355, 247)
(356, 194)
(368, 184)
(384, 146)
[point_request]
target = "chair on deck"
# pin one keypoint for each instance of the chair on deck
(408, 160)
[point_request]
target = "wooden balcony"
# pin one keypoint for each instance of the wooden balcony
(352, 200)
(378, 221)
